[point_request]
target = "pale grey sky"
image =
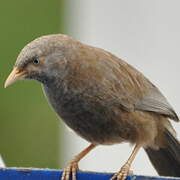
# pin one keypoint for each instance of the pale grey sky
(144, 33)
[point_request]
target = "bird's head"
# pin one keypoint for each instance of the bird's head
(41, 59)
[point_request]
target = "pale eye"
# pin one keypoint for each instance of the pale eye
(35, 61)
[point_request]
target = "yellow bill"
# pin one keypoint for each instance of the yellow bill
(15, 75)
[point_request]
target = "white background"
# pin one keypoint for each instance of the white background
(1, 162)
(145, 33)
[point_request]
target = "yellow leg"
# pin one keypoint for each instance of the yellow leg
(125, 169)
(73, 165)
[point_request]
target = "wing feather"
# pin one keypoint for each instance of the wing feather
(133, 91)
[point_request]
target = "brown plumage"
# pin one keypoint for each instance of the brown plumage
(102, 98)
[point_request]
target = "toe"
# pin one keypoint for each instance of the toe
(72, 168)
(66, 174)
(121, 176)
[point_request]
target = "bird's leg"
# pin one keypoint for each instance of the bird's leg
(73, 165)
(125, 169)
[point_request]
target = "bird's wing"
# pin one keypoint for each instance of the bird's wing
(156, 102)
(135, 92)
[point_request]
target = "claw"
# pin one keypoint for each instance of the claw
(122, 174)
(71, 169)
(125, 170)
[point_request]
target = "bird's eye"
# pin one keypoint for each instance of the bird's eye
(35, 61)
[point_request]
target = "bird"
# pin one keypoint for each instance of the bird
(103, 99)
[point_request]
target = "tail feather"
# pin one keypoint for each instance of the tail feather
(174, 145)
(166, 160)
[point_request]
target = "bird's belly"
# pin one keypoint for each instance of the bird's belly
(97, 128)
(94, 121)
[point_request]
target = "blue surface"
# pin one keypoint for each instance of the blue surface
(47, 174)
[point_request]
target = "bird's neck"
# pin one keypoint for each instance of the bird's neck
(55, 88)
(57, 94)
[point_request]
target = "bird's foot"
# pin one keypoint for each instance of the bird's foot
(123, 173)
(71, 170)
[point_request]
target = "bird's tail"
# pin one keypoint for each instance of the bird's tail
(166, 160)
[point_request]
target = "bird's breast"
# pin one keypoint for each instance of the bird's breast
(91, 119)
